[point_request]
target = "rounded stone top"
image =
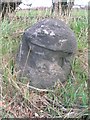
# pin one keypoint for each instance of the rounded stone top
(52, 34)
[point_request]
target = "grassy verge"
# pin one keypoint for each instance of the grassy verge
(68, 100)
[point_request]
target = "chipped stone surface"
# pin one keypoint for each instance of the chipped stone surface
(46, 52)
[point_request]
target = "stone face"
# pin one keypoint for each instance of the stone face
(46, 52)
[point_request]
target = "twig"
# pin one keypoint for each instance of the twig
(40, 90)
(34, 88)
(73, 75)
(26, 61)
(56, 104)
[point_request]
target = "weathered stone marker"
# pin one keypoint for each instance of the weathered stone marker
(46, 52)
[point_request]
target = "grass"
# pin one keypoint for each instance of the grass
(68, 100)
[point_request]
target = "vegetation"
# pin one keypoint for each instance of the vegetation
(67, 100)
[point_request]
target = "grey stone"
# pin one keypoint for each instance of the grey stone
(46, 53)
